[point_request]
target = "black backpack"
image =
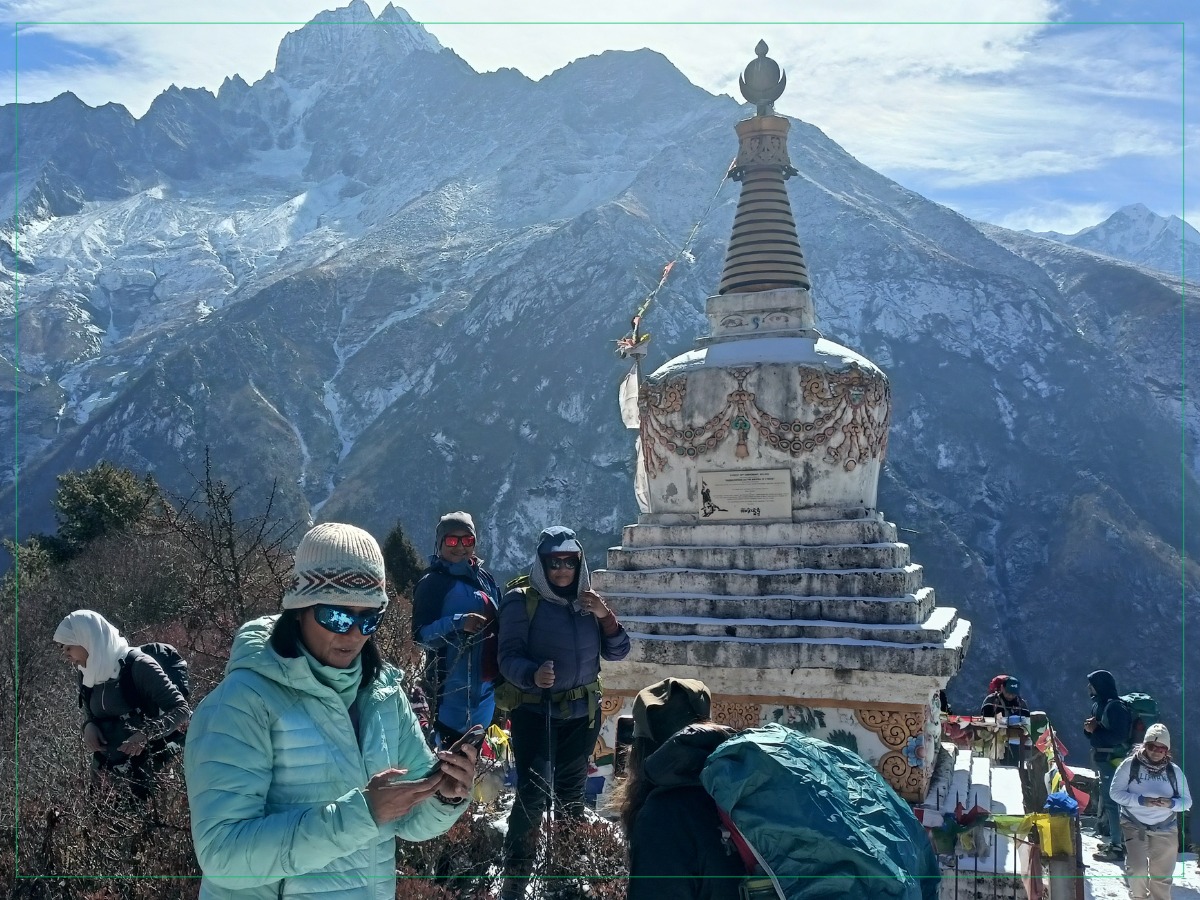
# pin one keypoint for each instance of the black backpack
(168, 659)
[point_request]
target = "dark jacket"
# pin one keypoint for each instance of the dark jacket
(464, 665)
(996, 704)
(1110, 739)
(107, 707)
(575, 641)
(676, 848)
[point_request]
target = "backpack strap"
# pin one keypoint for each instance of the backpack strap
(134, 699)
(129, 691)
(521, 583)
(1135, 774)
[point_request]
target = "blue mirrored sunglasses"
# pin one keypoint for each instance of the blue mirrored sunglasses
(340, 620)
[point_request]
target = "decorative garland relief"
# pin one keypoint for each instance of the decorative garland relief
(850, 415)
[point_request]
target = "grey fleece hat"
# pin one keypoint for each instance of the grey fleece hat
(455, 521)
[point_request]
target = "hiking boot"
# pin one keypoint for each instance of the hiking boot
(1109, 853)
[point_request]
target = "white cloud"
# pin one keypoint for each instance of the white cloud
(1065, 218)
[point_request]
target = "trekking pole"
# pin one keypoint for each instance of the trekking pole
(550, 810)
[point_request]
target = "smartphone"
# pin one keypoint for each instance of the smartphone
(475, 737)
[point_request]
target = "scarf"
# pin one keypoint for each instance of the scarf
(561, 596)
(343, 682)
(467, 568)
(105, 646)
(1154, 769)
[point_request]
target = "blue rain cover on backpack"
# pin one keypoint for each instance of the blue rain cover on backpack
(823, 820)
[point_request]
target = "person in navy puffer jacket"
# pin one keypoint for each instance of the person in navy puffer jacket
(553, 658)
(455, 608)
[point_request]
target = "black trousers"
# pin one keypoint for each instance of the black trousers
(565, 743)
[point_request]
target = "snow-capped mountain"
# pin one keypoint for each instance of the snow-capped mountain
(1136, 234)
(392, 284)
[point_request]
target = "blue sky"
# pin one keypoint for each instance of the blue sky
(1042, 114)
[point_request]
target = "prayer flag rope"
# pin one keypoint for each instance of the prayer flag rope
(634, 342)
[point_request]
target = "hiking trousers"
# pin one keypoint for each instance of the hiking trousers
(1150, 855)
(571, 743)
(1112, 812)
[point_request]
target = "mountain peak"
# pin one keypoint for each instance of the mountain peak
(341, 42)
(1137, 234)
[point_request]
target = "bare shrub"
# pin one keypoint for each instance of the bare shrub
(238, 565)
(586, 859)
(460, 862)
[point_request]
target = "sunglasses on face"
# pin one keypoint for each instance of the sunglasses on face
(555, 563)
(454, 540)
(340, 620)
(1157, 748)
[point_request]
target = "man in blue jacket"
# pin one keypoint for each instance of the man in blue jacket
(454, 617)
(1107, 729)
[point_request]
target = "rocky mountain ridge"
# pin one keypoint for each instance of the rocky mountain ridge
(1138, 235)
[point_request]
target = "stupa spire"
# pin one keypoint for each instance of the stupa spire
(764, 250)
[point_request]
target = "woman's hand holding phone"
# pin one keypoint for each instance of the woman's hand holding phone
(389, 796)
(457, 765)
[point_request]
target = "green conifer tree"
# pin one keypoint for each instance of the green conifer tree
(404, 565)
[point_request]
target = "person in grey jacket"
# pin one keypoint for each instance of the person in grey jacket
(126, 730)
(554, 630)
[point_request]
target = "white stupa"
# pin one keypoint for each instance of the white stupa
(760, 563)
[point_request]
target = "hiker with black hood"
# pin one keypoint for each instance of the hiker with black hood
(554, 630)
(1107, 728)
(455, 608)
(676, 851)
(132, 711)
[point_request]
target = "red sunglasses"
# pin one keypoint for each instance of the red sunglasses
(1157, 748)
(453, 540)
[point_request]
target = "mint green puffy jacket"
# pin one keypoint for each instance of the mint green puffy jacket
(275, 781)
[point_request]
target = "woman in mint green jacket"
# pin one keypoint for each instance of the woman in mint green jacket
(306, 763)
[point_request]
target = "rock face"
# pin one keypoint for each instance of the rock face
(396, 296)
(760, 562)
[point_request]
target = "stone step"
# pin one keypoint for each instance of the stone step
(934, 630)
(908, 609)
(871, 530)
(826, 556)
(942, 658)
(894, 582)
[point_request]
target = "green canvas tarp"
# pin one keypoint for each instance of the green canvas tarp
(824, 821)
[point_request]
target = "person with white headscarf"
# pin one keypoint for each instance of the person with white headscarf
(132, 710)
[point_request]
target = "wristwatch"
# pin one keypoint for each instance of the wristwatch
(447, 800)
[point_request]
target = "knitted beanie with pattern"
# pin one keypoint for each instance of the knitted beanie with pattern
(339, 564)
